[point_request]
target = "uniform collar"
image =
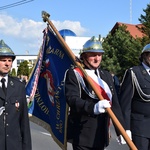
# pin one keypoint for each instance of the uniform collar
(147, 68)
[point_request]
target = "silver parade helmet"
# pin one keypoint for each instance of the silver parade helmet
(146, 48)
(5, 50)
(92, 45)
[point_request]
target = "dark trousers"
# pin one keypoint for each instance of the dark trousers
(141, 143)
(78, 147)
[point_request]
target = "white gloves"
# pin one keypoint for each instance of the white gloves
(100, 106)
(121, 140)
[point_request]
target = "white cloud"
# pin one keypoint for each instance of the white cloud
(25, 29)
(28, 28)
(29, 32)
(74, 26)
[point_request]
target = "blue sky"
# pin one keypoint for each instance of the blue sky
(21, 26)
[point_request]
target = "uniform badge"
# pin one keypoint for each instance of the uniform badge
(93, 93)
(17, 105)
(144, 72)
(11, 83)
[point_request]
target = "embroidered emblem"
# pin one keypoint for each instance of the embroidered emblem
(17, 105)
(93, 93)
(11, 83)
(144, 72)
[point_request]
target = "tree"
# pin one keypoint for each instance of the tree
(121, 51)
(23, 69)
(145, 21)
(13, 72)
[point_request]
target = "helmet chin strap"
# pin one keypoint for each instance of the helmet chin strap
(3, 74)
(89, 65)
(145, 61)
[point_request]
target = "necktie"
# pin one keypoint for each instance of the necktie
(96, 72)
(3, 85)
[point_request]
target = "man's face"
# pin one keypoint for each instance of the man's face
(93, 58)
(5, 64)
(146, 58)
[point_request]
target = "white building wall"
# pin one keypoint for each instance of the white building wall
(75, 43)
(20, 58)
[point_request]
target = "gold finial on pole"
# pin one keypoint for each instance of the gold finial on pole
(45, 16)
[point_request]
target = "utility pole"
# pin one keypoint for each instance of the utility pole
(130, 11)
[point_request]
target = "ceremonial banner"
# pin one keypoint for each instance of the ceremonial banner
(45, 89)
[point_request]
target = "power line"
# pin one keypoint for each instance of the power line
(15, 4)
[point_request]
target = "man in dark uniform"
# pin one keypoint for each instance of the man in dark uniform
(135, 100)
(14, 121)
(88, 122)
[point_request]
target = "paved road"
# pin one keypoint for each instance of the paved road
(113, 142)
(41, 140)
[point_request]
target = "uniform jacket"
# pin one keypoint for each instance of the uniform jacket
(16, 134)
(135, 110)
(85, 128)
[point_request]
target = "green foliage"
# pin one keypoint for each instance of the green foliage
(145, 21)
(23, 69)
(145, 28)
(121, 51)
(13, 72)
(30, 70)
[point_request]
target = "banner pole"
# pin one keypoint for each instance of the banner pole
(45, 17)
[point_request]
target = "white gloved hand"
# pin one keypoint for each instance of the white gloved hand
(121, 140)
(100, 106)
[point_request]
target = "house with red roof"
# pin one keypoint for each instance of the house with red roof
(133, 29)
